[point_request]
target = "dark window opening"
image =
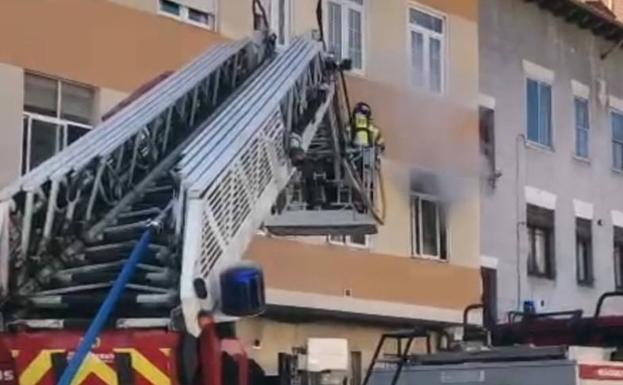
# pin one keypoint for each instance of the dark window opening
(487, 141)
(541, 254)
(618, 257)
(584, 252)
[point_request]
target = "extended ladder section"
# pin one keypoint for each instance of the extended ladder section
(235, 171)
(212, 151)
(75, 218)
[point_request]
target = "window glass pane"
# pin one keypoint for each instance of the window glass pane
(25, 146)
(618, 265)
(425, 20)
(581, 251)
(415, 217)
(582, 143)
(45, 142)
(198, 16)
(170, 7)
(281, 20)
(74, 132)
(532, 103)
(354, 37)
(617, 127)
(76, 103)
(581, 113)
(430, 228)
(617, 155)
(40, 95)
(359, 239)
(540, 250)
(335, 29)
(545, 115)
(435, 64)
(417, 58)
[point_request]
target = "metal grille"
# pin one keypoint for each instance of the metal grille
(231, 197)
(210, 248)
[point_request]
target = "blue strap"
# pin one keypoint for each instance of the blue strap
(107, 307)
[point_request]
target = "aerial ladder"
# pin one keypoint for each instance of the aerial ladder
(139, 226)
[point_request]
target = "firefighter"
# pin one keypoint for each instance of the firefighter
(368, 143)
(364, 133)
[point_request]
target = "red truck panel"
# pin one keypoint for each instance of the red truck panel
(147, 357)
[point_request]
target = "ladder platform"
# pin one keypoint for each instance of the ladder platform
(321, 223)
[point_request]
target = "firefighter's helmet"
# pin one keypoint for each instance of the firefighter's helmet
(363, 108)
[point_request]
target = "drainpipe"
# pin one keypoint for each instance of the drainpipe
(519, 141)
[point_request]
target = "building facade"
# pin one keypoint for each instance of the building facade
(551, 128)
(415, 63)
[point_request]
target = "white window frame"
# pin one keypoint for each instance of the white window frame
(418, 197)
(288, 22)
(347, 5)
(184, 16)
(587, 129)
(613, 111)
(60, 122)
(536, 144)
(62, 126)
(347, 242)
(427, 33)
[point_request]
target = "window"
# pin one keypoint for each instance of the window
(170, 7)
(187, 14)
(428, 227)
(359, 240)
(539, 102)
(426, 39)
(346, 30)
(618, 257)
(581, 127)
(617, 140)
(541, 256)
(56, 113)
(279, 15)
(487, 139)
(281, 20)
(584, 251)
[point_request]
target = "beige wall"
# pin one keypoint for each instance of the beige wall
(143, 5)
(96, 42)
(329, 270)
(618, 9)
(11, 103)
(107, 99)
(235, 19)
(276, 337)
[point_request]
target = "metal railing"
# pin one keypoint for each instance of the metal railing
(234, 171)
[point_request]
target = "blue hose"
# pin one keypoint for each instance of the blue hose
(106, 308)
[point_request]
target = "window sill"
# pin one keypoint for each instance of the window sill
(617, 171)
(431, 258)
(181, 19)
(587, 285)
(428, 93)
(538, 146)
(581, 159)
(357, 72)
(349, 245)
(541, 277)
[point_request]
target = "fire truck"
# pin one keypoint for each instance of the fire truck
(121, 256)
(529, 348)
